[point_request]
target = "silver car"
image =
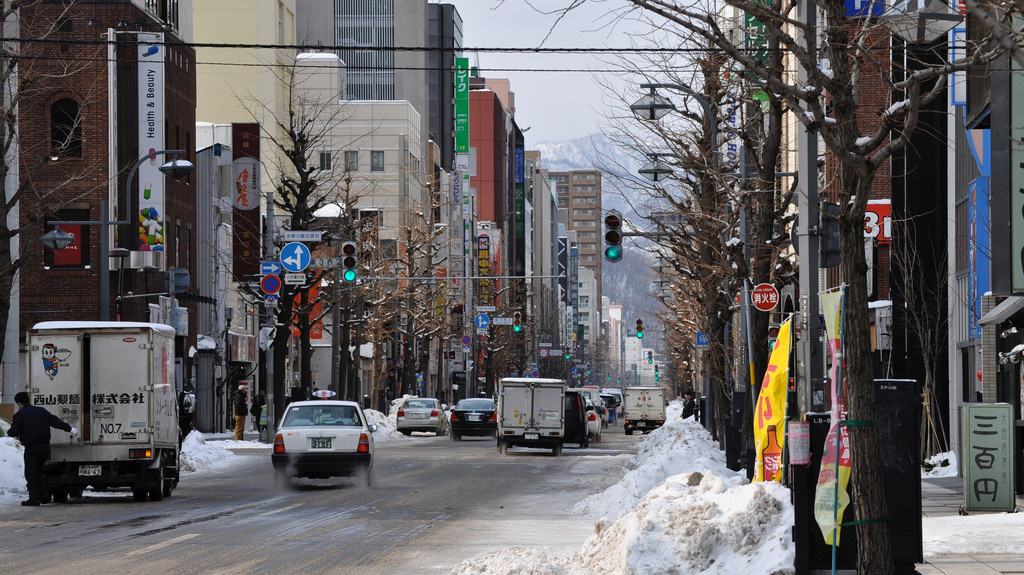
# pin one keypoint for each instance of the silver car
(421, 414)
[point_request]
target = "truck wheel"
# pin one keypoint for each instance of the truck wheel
(75, 492)
(557, 450)
(156, 490)
(139, 493)
(168, 487)
(60, 495)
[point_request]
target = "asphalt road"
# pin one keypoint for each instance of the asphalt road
(434, 503)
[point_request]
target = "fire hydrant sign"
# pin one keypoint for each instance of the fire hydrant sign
(764, 297)
(988, 457)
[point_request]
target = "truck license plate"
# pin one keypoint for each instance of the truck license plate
(321, 442)
(90, 470)
(531, 436)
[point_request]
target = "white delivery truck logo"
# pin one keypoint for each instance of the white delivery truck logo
(54, 358)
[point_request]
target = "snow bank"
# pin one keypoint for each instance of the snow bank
(992, 533)
(12, 471)
(197, 454)
(387, 426)
(940, 465)
(678, 446)
(704, 520)
(234, 444)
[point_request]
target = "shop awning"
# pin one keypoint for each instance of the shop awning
(1004, 311)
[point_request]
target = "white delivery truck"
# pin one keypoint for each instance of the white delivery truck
(115, 382)
(531, 413)
(643, 408)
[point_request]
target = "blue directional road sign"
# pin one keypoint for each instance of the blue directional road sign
(703, 342)
(863, 8)
(295, 257)
(482, 321)
(270, 268)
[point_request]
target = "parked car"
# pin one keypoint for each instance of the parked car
(474, 416)
(594, 394)
(576, 419)
(420, 414)
(611, 402)
(594, 424)
(323, 438)
(616, 393)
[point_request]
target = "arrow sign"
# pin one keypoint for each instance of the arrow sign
(270, 268)
(295, 257)
(482, 321)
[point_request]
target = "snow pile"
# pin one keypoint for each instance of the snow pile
(678, 446)
(940, 465)
(674, 410)
(679, 510)
(235, 445)
(12, 470)
(197, 454)
(387, 426)
(694, 523)
(990, 533)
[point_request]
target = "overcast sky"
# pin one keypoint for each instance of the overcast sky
(555, 106)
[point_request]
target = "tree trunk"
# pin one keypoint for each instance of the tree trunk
(874, 547)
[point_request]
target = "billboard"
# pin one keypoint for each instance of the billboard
(152, 199)
(462, 105)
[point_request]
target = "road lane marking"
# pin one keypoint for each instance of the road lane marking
(161, 545)
(276, 511)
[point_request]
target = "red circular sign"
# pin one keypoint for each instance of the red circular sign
(270, 284)
(764, 297)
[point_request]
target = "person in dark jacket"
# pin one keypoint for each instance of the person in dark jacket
(689, 405)
(31, 426)
(240, 409)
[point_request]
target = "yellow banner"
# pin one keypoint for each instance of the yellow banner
(770, 417)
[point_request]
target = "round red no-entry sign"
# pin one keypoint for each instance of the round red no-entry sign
(270, 284)
(764, 297)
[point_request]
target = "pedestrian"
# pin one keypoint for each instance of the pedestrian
(31, 426)
(240, 410)
(256, 410)
(689, 405)
(186, 411)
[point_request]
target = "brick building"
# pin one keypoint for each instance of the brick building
(65, 150)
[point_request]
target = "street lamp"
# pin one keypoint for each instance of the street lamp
(920, 21)
(656, 170)
(651, 106)
(56, 239)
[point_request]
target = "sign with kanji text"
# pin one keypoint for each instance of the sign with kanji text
(988, 457)
(878, 221)
(764, 297)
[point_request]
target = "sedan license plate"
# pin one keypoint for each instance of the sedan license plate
(90, 470)
(321, 442)
(531, 436)
(475, 417)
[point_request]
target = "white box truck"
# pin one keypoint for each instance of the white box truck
(115, 382)
(643, 408)
(531, 413)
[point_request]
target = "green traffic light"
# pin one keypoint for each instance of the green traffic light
(568, 356)
(517, 328)
(639, 335)
(349, 275)
(613, 253)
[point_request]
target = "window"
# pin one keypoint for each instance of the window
(65, 129)
(376, 161)
(326, 415)
(352, 161)
(325, 161)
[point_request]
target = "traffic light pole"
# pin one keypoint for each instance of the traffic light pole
(269, 253)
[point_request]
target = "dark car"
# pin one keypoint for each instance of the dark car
(576, 419)
(476, 416)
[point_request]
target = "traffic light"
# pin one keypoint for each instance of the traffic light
(650, 357)
(639, 329)
(657, 375)
(829, 248)
(613, 237)
(349, 261)
(517, 322)
(568, 356)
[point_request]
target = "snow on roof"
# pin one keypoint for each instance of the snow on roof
(318, 56)
(104, 325)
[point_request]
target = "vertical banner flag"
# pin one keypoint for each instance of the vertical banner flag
(462, 105)
(152, 204)
(769, 419)
(831, 496)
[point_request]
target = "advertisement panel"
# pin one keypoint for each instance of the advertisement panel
(878, 221)
(770, 415)
(988, 457)
(152, 202)
(462, 105)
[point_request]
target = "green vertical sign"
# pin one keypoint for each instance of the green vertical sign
(988, 457)
(462, 105)
(756, 38)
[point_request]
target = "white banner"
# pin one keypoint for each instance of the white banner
(152, 204)
(246, 173)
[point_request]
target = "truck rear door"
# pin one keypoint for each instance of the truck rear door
(516, 407)
(119, 378)
(548, 414)
(55, 378)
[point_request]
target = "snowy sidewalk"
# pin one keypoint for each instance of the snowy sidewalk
(944, 528)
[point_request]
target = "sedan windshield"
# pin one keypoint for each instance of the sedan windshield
(420, 404)
(475, 404)
(322, 415)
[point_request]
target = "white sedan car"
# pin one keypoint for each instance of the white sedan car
(322, 439)
(594, 424)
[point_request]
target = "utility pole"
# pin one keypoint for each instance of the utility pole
(269, 254)
(809, 360)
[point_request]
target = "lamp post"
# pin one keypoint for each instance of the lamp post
(57, 239)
